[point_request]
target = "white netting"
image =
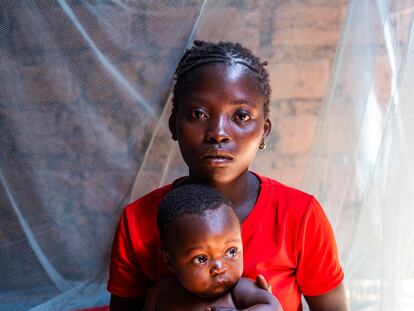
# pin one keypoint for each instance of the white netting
(84, 103)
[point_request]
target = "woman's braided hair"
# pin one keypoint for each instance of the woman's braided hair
(203, 53)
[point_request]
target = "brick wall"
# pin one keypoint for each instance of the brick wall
(298, 38)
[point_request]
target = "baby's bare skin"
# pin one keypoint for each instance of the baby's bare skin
(169, 295)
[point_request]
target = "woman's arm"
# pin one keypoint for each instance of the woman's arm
(126, 304)
(333, 300)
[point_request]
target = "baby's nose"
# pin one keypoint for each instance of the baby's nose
(218, 268)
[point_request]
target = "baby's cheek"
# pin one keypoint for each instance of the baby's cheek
(240, 270)
(188, 279)
(237, 268)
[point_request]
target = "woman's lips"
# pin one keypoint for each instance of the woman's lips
(217, 158)
(217, 161)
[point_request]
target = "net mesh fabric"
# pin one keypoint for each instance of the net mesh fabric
(84, 107)
(83, 86)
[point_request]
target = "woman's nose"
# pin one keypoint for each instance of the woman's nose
(218, 268)
(218, 131)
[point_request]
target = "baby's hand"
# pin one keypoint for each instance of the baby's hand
(220, 309)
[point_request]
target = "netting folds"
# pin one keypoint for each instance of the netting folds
(84, 102)
(83, 84)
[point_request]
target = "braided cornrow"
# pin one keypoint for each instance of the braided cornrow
(203, 53)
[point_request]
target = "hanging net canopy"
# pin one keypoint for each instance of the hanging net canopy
(84, 106)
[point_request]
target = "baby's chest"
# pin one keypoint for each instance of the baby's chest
(181, 303)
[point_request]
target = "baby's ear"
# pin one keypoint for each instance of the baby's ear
(167, 258)
(171, 125)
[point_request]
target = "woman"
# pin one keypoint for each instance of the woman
(220, 119)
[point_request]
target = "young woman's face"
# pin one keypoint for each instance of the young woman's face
(219, 122)
(205, 252)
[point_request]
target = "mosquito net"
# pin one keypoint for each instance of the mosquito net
(84, 103)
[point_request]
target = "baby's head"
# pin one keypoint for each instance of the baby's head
(201, 239)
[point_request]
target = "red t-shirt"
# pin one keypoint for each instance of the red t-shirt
(287, 238)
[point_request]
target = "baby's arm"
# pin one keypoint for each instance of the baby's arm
(248, 296)
(151, 298)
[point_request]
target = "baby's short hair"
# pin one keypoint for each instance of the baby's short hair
(189, 199)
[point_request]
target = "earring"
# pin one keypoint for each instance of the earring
(262, 144)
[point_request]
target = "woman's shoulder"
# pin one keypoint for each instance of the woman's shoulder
(277, 188)
(148, 201)
(285, 200)
(157, 194)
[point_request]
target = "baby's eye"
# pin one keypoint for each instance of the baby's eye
(232, 252)
(242, 116)
(200, 260)
(198, 114)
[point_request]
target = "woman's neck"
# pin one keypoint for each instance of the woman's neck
(242, 193)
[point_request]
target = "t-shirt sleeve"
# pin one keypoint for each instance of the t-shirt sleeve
(126, 278)
(319, 270)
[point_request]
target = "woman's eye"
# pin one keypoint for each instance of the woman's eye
(232, 252)
(200, 260)
(198, 114)
(242, 116)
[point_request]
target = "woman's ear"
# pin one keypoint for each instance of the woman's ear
(171, 125)
(267, 127)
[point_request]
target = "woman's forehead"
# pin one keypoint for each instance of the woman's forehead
(226, 70)
(221, 77)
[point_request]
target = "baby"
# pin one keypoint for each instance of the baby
(202, 245)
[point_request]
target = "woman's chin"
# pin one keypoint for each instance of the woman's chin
(217, 175)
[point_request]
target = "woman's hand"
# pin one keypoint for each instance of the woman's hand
(262, 283)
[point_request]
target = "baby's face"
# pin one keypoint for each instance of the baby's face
(205, 252)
